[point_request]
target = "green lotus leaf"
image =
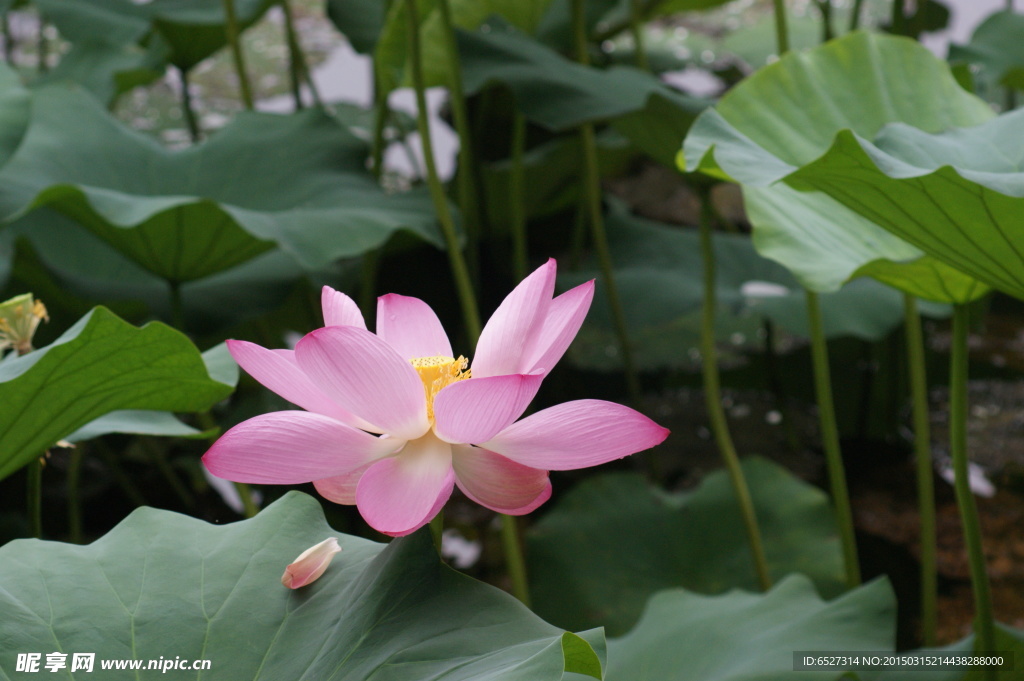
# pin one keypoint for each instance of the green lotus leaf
(613, 541)
(107, 70)
(659, 274)
(742, 636)
(15, 108)
(1008, 640)
(996, 47)
(297, 181)
(560, 94)
(165, 585)
(100, 365)
(862, 82)
(956, 194)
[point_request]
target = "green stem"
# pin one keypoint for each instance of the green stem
(34, 497)
(781, 31)
(825, 7)
(468, 195)
(249, 508)
(368, 284)
(830, 440)
(380, 123)
(187, 109)
(713, 400)
(177, 307)
(5, 26)
(923, 456)
(74, 498)
(460, 271)
(636, 27)
(984, 627)
(437, 529)
(122, 479)
(511, 542)
(855, 14)
(520, 248)
(159, 458)
(231, 28)
(296, 59)
(592, 186)
(898, 20)
(42, 46)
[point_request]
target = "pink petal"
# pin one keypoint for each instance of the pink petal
(367, 377)
(507, 333)
(411, 327)
(339, 309)
(311, 564)
(341, 489)
(478, 409)
(401, 494)
(290, 447)
(499, 483)
(577, 435)
(278, 371)
(564, 319)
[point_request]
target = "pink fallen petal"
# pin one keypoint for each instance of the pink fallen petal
(411, 327)
(310, 564)
(577, 435)
(564, 319)
(339, 309)
(291, 447)
(499, 483)
(468, 412)
(278, 371)
(341, 489)
(367, 377)
(507, 333)
(401, 494)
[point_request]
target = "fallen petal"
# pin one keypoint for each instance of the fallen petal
(310, 564)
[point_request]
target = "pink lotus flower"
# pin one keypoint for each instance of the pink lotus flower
(394, 420)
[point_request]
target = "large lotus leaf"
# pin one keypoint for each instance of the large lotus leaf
(1008, 640)
(659, 274)
(957, 194)
(751, 637)
(997, 48)
(166, 585)
(361, 21)
(299, 181)
(113, 21)
(860, 82)
(560, 94)
(614, 540)
(99, 365)
(105, 69)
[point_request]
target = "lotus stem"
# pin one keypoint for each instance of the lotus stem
(898, 22)
(74, 498)
(368, 283)
(984, 626)
(592, 187)
(122, 479)
(380, 123)
(781, 31)
(42, 47)
(437, 530)
(713, 400)
(34, 497)
(249, 508)
(233, 33)
(825, 7)
(830, 440)
(855, 14)
(159, 458)
(187, 110)
(5, 26)
(636, 28)
(177, 307)
(923, 457)
(520, 247)
(511, 541)
(466, 176)
(297, 67)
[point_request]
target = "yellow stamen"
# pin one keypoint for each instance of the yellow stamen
(437, 373)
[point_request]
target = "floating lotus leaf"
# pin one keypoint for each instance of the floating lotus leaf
(298, 182)
(100, 365)
(165, 585)
(614, 541)
(861, 82)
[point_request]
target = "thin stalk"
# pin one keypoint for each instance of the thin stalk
(830, 440)
(781, 31)
(592, 183)
(74, 498)
(249, 508)
(368, 284)
(713, 400)
(855, 14)
(231, 28)
(162, 465)
(984, 626)
(579, 233)
(34, 497)
(5, 26)
(42, 47)
(380, 123)
(825, 7)
(923, 456)
(636, 27)
(177, 307)
(122, 479)
(437, 530)
(460, 272)
(465, 178)
(520, 247)
(296, 59)
(898, 21)
(187, 109)
(511, 541)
